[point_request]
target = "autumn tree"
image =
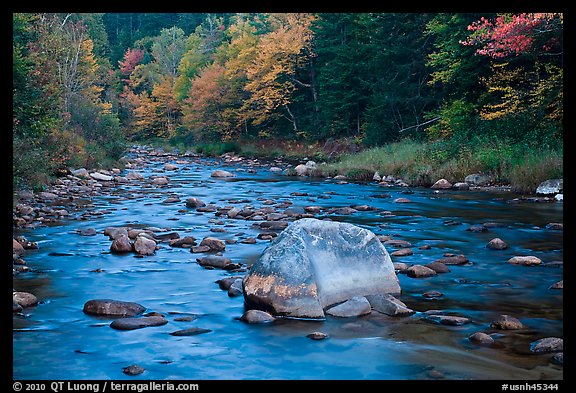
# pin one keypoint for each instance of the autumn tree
(525, 52)
(272, 76)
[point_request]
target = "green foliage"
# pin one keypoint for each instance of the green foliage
(217, 148)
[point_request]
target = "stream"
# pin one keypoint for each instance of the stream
(55, 340)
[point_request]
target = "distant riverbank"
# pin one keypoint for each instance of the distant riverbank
(517, 166)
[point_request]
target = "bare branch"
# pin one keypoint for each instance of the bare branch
(421, 124)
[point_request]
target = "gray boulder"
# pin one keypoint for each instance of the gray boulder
(314, 264)
(479, 179)
(550, 187)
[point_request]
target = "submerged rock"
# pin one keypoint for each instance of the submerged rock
(221, 173)
(132, 323)
(133, 370)
(314, 264)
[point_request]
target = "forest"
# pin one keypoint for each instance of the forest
(484, 88)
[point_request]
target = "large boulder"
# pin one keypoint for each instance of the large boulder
(550, 187)
(315, 264)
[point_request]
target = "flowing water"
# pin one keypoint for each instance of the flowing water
(56, 340)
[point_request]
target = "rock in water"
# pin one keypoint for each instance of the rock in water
(114, 308)
(144, 246)
(314, 264)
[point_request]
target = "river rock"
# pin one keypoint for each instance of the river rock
(389, 305)
(548, 344)
(557, 285)
(432, 294)
(354, 307)
(184, 242)
(236, 288)
(194, 202)
(132, 323)
(402, 252)
(453, 260)
(314, 264)
(199, 249)
(558, 226)
(461, 186)
(160, 181)
(213, 243)
(479, 179)
(525, 260)
(448, 319)
(134, 176)
(100, 176)
(419, 271)
(217, 261)
(558, 359)
(190, 332)
(221, 173)
(115, 308)
(24, 299)
(144, 246)
(257, 316)
(497, 244)
(402, 200)
(507, 322)
(550, 187)
(121, 245)
(397, 243)
(80, 172)
(438, 267)
(133, 370)
(317, 336)
(481, 338)
(441, 184)
(17, 248)
(170, 167)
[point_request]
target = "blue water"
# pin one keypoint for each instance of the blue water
(56, 340)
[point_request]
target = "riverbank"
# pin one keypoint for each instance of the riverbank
(519, 167)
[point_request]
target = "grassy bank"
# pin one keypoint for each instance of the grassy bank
(521, 167)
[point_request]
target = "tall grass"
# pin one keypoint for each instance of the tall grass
(422, 163)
